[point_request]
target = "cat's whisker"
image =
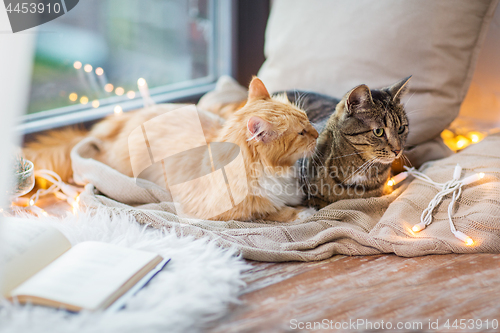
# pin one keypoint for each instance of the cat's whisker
(367, 167)
(317, 158)
(353, 174)
(405, 158)
(301, 99)
(302, 168)
(416, 110)
(304, 174)
(321, 164)
(347, 155)
(315, 162)
(318, 165)
(371, 165)
(317, 153)
(296, 96)
(358, 169)
(404, 106)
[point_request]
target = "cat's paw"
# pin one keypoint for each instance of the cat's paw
(286, 214)
(291, 214)
(306, 213)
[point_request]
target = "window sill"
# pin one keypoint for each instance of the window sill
(32, 124)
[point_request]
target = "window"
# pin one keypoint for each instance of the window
(89, 60)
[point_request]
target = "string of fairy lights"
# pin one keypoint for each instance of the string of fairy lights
(452, 187)
(97, 81)
(458, 141)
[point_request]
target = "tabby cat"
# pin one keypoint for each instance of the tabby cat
(360, 136)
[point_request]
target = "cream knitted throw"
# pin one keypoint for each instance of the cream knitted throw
(351, 227)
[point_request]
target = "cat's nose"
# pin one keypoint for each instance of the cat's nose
(314, 133)
(396, 152)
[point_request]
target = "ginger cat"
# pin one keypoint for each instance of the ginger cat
(270, 132)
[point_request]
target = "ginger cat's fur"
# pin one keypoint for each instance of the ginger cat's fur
(271, 133)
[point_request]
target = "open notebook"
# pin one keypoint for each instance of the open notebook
(39, 266)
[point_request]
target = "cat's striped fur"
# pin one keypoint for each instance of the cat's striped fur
(351, 160)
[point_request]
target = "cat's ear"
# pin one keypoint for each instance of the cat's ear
(359, 97)
(260, 130)
(257, 90)
(399, 89)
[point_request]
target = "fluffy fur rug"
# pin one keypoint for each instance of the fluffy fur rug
(195, 287)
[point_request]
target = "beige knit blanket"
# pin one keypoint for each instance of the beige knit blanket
(350, 227)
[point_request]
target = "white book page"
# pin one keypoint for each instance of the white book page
(26, 247)
(86, 275)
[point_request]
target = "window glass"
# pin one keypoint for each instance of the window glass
(95, 54)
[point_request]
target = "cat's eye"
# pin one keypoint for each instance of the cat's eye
(378, 132)
(303, 132)
(401, 129)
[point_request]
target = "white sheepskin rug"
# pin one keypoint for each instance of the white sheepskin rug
(194, 288)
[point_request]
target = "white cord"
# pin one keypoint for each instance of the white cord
(59, 188)
(453, 187)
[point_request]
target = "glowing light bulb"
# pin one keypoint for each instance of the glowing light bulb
(144, 90)
(75, 207)
(73, 97)
(77, 65)
(447, 134)
(464, 238)
(95, 103)
(462, 142)
(84, 100)
(397, 178)
(473, 178)
(131, 94)
(88, 68)
(418, 227)
(109, 87)
(99, 71)
(32, 202)
(475, 137)
(119, 91)
(118, 110)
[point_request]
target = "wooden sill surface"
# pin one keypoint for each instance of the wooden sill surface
(373, 288)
